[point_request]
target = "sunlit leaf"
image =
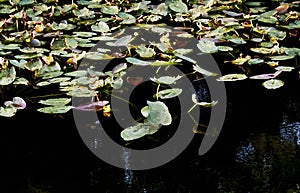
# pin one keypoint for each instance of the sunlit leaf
(7, 76)
(100, 27)
(56, 101)
(17, 63)
(261, 50)
(21, 81)
(138, 131)
(285, 68)
(203, 104)
(71, 42)
(273, 84)
(255, 61)
(33, 65)
(8, 111)
(127, 18)
(169, 93)
(55, 109)
(282, 57)
(186, 58)
(178, 6)
(207, 46)
(163, 63)
(232, 77)
(119, 68)
(158, 113)
(137, 61)
(77, 73)
(110, 10)
(144, 51)
(123, 41)
(84, 34)
(197, 68)
(237, 40)
(225, 48)
(166, 79)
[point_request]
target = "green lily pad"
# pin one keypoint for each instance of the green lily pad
(17, 63)
(225, 48)
(110, 10)
(77, 73)
(71, 42)
(197, 68)
(138, 131)
(59, 79)
(100, 27)
(273, 84)
(127, 18)
(7, 111)
(186, 58)
(33, 65)
(47, 75)
(43, 83)
(285, 68)
(27, 2)
(169, 93)
(163, 63)
(21, 81)
(282, 57)
(84, 34)
(203, 104)
(55, 109)
(237, 40)
(123, 41)
(178, 6)
(166, 79)
(138, 62)
(56, 101)
(119, 68)
(157, 113)
(28, 56)
(145, 52)
(261, 50)
(7, 76)
(81, 91)
(255, 61)
(232, 77)
(10, 47)
(207, 46)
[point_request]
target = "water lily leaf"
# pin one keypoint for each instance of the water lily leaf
(273, 84)
(81, 91)
(60, 26)
(17, 63)
(17, 103)
(110, 10)
(186, 58)
(145, 52)
(207, 46)
(197, 68)
(55, 109)
(123, 41)
(203, 104)
(161, 9)
(8, 111)
(232, 77)
(256, 39)
(262, 50)
(161, 30)
(84, 13)
(169, 93)
(232, 14)
(7, 76)
(7, 10)
(225, 48)
(21, 81)
(138, 62)
(293, 25)
(266, 76)
(77, 73)
(56, 101)
(98, 56)
(267, 17)
(285, 68)
(275, 33)
(84, 80)
(100, 27)
(282, 57)
(183, 51)
(158, 113)
(71, 42)
(178, 6)
(237, 40)
(28, 56)
(166, 79)
(255, 61)
(292, 51)
(94, 106)
(84, 34)
(59, 79)
(127, 18)
(138, 131)
(163, 63)
(119, 68)
(9, 46)
(47, 75)
(43, 83)
(33, 65)
(26, 2)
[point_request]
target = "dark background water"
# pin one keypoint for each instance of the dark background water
(257, 151)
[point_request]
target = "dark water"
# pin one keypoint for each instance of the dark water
(257, 151)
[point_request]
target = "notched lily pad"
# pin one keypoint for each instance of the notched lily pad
(138, 131)
(157, 113)
(207, 46)
(273, 84)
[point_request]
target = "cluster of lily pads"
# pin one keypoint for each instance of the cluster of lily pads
(42, 44)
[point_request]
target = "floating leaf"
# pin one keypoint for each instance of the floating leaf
(33, 65)
(207, 46)
(262, 50)
(17, 103)
(127, 18)
(100, 27)
(94, 106)
(163, 63)
(157, 113)
(255, 61)
(169, 93)
(77, 73)
(28, 56)
(84, 34)
(21, 81)
(232, 77)
(8, 111)
(56, 101)
(26, 2)
(17, 63)
(166, 79)
(71, 42)
(266, 76)
(203, 104)
(138, 131)
(145, 52)
(186, 58)
(225, 48)
(232, 14)
(110, 10)
(197, 68)
(237, 40)
(282, 57)
(7, 76)
(123, 41)
(285, 68)
(137, 61)
(55, 109)
(119, 68)
(273, 84)
(79, 91)
(178, 6)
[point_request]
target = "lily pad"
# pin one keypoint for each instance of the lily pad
(157, 113)
(163, 63)
(138, 131)
(127, 18)
(232, 77)
(56, 101)
(8, 111)
(55, 109)
(166, 79)
(169, 93)
(100, 27)
(178, 6)
(207, 46)
(110, 10)
(197, 68)
(21, 81)
(17, 63)
(255, 61)
(33, 65)
(123, 41)
(273, 84)
(282, 57)
(262, 50)
(285, 68)
(7, 76)
(137, 62)
(145, 52)
(203, 104)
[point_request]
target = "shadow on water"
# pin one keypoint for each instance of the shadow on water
(257, 151)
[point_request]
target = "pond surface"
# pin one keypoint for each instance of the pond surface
(257, 151)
